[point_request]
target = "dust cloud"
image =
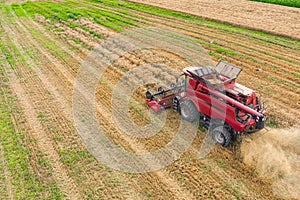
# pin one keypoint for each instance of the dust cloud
(276, 156)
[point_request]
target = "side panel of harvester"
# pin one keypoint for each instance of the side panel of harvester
(212, 106)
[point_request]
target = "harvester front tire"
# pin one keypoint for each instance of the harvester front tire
(221, 135)
(189, 111)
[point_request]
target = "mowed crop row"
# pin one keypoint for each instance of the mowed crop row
(48, 41)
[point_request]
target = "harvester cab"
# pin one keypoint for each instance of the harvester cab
(212, 96)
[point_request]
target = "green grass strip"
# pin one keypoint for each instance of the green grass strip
(60, 11)
(290, 3)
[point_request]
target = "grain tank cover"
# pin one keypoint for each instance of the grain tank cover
(228, 70)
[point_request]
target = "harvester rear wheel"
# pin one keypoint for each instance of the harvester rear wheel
(221, 135)
(189, 111)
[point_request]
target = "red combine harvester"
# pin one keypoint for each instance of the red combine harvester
(212, 96)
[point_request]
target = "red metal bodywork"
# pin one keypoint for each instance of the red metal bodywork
(228, 101)
(160, 104)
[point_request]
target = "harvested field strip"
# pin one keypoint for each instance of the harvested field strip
(132, 144)
(211, 170)
(201, 183)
